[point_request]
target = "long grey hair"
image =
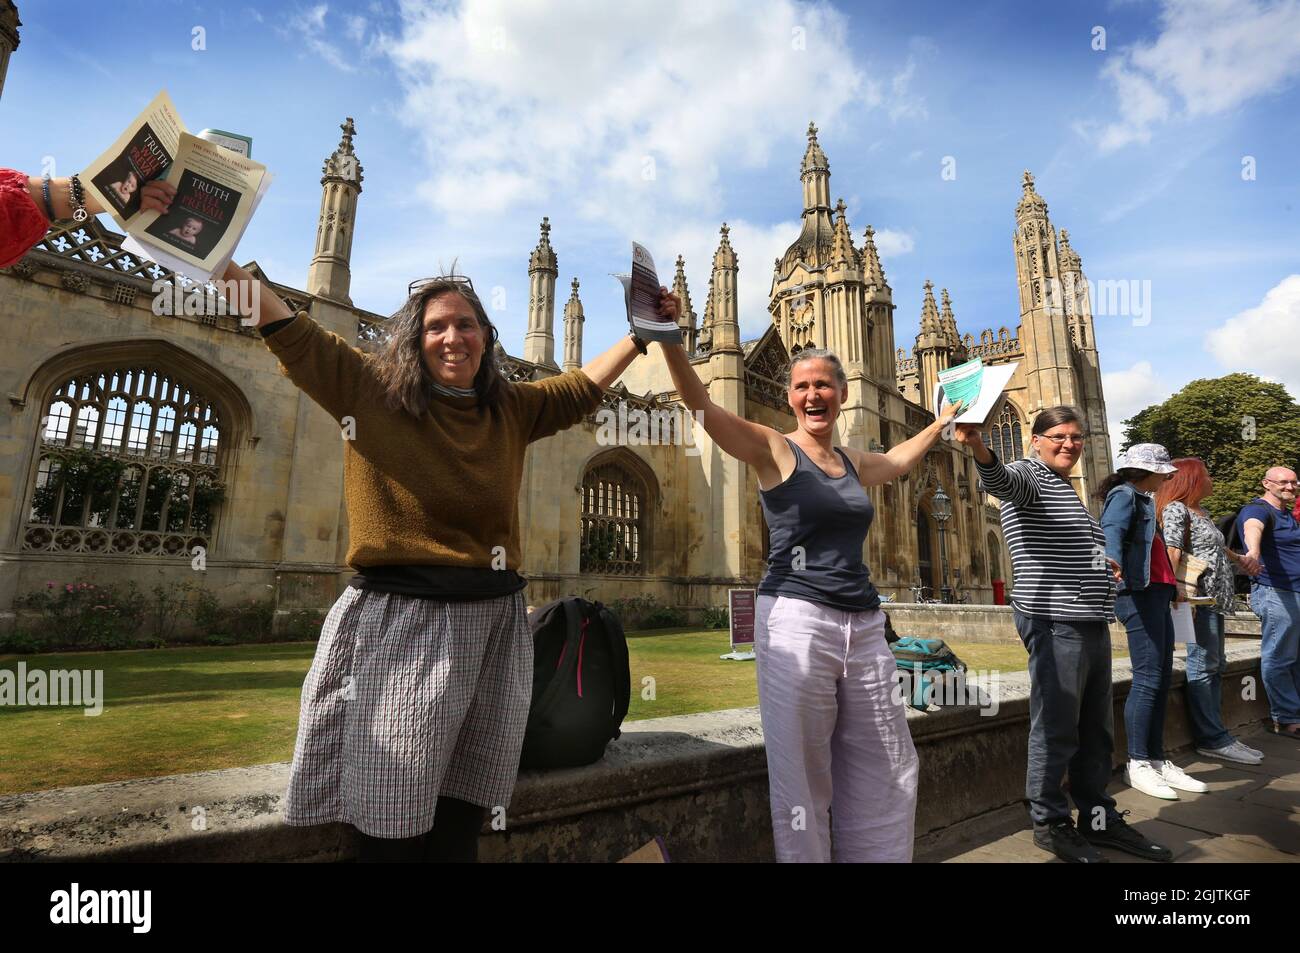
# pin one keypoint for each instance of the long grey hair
(399, 359)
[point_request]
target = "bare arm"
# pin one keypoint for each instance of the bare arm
(605, 368)
(154, 196)
(743, 439)
(878, 468)
(1253, 533)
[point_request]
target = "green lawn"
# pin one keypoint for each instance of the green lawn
(169, 711)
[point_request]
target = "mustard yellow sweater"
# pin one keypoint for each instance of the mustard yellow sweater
(441, 490)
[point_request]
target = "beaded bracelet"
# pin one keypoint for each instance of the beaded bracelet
(45, 194)
(78, 194)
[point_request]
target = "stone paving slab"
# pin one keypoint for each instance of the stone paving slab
(1251, 814)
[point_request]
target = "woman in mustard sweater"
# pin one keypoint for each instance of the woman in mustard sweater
(413, 712)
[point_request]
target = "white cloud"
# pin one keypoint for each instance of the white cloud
(891, 244)
(1128, 392)
(1260, 339)
(625, 112)
(1209, 58)
(309, 27)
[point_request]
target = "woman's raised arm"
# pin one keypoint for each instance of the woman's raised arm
(743, 439)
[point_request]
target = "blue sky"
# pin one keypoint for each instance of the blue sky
(476, 118)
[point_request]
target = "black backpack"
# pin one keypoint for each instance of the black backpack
(582, 684)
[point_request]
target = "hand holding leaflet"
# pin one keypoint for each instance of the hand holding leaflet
(976, 386)
(641, 294)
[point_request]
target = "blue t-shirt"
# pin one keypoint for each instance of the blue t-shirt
(1279, 546)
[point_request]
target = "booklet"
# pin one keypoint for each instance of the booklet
(140, 154)
(641, 295)
(976, 385)
(217, 191)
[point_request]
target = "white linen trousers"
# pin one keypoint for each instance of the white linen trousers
(841, 765)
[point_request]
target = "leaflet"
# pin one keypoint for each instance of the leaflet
(140, 154)
(217, 191)
(978, 386)
(641, 295)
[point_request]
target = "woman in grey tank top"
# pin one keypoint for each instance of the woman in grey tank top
(841, 765)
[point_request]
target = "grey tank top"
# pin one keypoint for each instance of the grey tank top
(828, 518)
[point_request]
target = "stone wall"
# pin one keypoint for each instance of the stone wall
(993, 624)
(697, 781)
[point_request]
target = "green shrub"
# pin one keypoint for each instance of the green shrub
(642, 612)
(717, 617)
(82, 615)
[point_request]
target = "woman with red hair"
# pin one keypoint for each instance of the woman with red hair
(1187, 526)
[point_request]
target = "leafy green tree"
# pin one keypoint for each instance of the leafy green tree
(1239, 425)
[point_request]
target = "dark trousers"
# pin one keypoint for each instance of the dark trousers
(453, 839)
(1150, 626)
(1070, 718)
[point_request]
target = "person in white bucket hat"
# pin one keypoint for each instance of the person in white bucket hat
(1145, 594)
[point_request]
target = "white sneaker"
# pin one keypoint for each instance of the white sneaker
(1175, 777)
(1235, 751)
(1142, 776)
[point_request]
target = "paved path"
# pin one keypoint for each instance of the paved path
(1250, 814)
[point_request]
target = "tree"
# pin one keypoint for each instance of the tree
(1239, 425)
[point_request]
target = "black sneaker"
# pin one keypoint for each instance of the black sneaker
(1062, 838)
(1118, 834)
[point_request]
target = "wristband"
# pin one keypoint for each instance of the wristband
(638, 343)
(78, 196)
(45, 194)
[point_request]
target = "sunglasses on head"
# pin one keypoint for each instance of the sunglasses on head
(415, 286)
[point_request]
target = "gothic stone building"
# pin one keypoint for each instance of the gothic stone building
(132, 437)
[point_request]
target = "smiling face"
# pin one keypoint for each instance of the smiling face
(1060, 447)
(815, 396)
(191, 228)
(453, 341)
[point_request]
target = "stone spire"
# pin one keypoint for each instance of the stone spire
(726, 320)
(543, 267)
(843, 253)
(815, 172)
(1069, 257)
(948, 322)
(573, 319)
(872, 272)
(706, 327)
(1031, 203)
(330, 273)
(931, 323)
(686, 321)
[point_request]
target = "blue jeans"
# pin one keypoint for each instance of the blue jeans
(1205, 667)
(1279, 620)
(1150, 626)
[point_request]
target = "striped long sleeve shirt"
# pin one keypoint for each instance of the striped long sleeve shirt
(1058, 551)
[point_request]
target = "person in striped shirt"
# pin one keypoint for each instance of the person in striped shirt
(1062, 604)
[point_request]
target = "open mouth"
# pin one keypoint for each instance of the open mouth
(815, 411)
(455, 357)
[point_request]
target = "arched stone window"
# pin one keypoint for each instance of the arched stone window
(128, 460)
(1005, 436)
(615, 507)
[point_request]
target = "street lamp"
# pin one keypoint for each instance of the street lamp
(941, 511)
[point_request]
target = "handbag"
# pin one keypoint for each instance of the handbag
(1190, 568)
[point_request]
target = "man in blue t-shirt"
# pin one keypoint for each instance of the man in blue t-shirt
(1272, 538)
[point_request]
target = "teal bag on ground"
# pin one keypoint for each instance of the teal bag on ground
(924, 660)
